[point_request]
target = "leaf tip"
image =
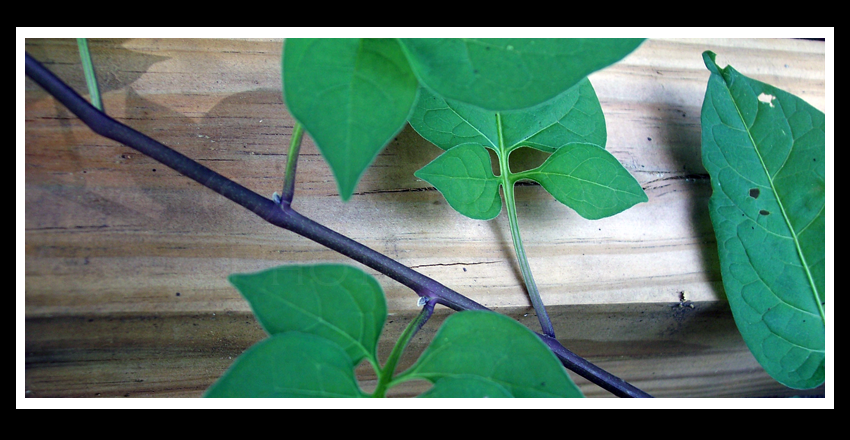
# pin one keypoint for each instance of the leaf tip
(708, 57)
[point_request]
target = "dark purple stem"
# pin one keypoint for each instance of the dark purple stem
(284, 216)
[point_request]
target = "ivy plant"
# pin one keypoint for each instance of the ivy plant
(764, 149)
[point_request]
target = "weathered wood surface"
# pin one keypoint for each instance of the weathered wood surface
(126, 260)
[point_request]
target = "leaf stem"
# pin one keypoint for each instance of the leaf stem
(386, 375)
(288, 191)
(88, 71)
(510, 205)
(289, 219)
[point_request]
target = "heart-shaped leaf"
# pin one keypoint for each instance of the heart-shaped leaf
(291, 364)
(765, 151)
(464, 175)
(351, 95)
(588, 179)
(338, 302)
(496, 349)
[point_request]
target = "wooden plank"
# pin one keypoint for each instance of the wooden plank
(126, 260)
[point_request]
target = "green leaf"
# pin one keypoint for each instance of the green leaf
(573, 116)
(289, 364)
(338, 302)
(588, 179)
(466, 386)
(351, 95)
(464, 176)
(765, 151)
(507, 74)
(580, 174)
(497, 349)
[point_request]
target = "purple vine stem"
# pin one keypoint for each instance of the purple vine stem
(283, 216)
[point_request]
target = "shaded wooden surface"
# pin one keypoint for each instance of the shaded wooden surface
(126, 260)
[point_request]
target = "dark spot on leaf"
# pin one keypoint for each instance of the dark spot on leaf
(177, 294)
(764, 212)
(649, 138)
(754, 193)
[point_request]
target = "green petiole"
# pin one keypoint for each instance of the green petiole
(508, 180)
(385, 376)
(88, 70)
(288, 191)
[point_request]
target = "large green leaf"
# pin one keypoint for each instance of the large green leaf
(497, 350)
(506, 74)
(573, 116)
(351, 95)
(579, 174)
(588, 179)
(289, 364)
(765, 149)
(338, 302)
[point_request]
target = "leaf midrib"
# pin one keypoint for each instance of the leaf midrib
(323, 322)
(794, 234)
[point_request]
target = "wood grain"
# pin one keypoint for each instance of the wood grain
(126, 260)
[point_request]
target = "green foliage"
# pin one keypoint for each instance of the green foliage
(322, 320)
(478, 350)
(466, 386)
(465, 176)
(506, 74)
(575, 115)
(580, 174)
(291, 364)
(337, 302)
(765, 151)
(588, 179)
(353, 95)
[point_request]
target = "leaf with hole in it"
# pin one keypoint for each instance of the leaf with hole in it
(351, 95)
(506, 74)
(573, 116)
(588, 179)
(765, 150)
(464, 176)
(496, 349)
(338, 302)
(290, 364)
